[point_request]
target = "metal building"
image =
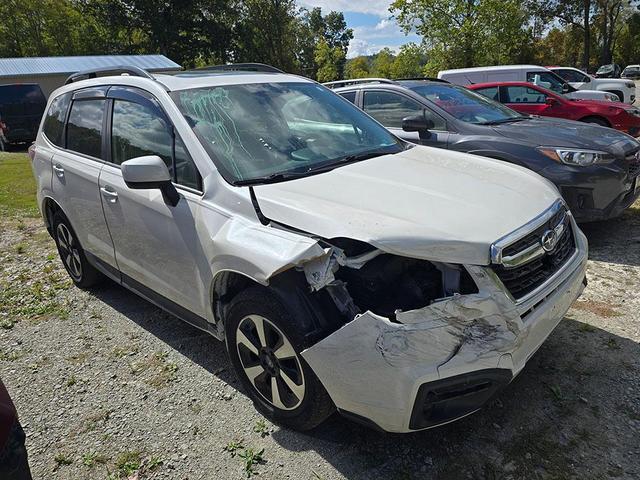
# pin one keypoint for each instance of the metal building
(51, 72)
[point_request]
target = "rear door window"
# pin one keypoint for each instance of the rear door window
(519, 94)
(84, 129)
(54, 122)
(490, 92)
(351, 96)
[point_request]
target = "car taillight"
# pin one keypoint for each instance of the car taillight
(32, 151)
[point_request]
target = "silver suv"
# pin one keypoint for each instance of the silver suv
(344, 268)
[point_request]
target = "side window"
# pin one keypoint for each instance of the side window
(84, 129)
(54, 122)
(518, 94)
(390, 108)
(491, 92)
(137, 130)
(186, 172)
(546, 80)
(351, 96)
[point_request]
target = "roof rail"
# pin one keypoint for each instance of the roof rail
(431, 79)
(239, 67)
(355, 81)
(108, 71)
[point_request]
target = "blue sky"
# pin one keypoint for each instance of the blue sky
(373, 27)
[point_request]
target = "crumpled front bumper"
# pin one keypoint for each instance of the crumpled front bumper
(466, 347)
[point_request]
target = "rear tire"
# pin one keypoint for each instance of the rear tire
(83, 274)
(264, 342)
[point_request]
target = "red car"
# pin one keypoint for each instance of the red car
(532, 99)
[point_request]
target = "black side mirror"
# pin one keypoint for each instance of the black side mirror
(417, 123)
(566, 88)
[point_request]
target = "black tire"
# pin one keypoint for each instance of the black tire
(596, 120)
(316, 405)
(83, 274)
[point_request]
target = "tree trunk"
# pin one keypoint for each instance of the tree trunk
(586, 54)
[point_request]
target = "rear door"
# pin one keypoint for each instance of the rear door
(389, 108)
(76, 168)
(157, 247)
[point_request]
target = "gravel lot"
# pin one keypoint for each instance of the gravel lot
(109, 386)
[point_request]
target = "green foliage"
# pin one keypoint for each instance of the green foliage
(17, 186)
(383, 64)
(409, 62)
(357, 67)
(328, 61)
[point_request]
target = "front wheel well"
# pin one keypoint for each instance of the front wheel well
(596, 119)
(226, 286)
(618, 93)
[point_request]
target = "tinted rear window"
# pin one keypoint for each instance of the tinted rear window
(21, 100)
(54, 123)
(351, 96)
(84, 130)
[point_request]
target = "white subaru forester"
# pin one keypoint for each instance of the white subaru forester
(345, 269)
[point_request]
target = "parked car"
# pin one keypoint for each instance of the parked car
(344, 267)
(534, 100)
(631, 71)
(22, 106)
(595, 168)
(14, 464)
(521, 73)
(611, 70)
(624, 89)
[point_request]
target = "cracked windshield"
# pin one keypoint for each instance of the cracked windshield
(257, 133)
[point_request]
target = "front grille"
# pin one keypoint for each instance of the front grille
(525, 278)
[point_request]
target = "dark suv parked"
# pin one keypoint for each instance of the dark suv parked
(595, 168)
(21, 107)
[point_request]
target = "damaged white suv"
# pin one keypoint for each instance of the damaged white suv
(345, 269)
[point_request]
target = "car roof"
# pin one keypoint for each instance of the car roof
(394, 84)
(505, 84)
(493, 68)
(632, 66)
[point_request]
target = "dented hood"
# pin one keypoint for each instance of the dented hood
(423, 203)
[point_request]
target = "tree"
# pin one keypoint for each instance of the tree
(357, 67)
(328, 59)
(383, 63)
(409, 62)
(465, 33)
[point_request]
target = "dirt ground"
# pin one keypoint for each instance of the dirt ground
(108, 386)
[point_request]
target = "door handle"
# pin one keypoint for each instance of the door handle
(109, 194)
(59, 171)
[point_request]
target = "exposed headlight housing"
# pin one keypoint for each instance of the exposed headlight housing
(577, 157)
(630, 85)
(612, 97)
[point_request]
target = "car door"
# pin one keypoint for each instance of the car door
(157, 248)
(76, 170)
(389, 108)
(527, 100)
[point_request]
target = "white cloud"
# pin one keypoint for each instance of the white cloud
(374, 7)
(359, 47)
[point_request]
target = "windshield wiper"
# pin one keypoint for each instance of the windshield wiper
(271, 178)
(503, 120)
(282, 176)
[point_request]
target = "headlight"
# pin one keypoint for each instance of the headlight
(581, 158)
(633, 111)
(631, 85)
(612, 97)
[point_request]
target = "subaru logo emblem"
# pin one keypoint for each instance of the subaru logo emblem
(549, 240)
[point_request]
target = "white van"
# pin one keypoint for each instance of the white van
(521, 73)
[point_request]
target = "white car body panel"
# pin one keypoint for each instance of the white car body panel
(421, 203)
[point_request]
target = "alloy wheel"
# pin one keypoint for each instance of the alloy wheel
(69, 251)
(270, 362)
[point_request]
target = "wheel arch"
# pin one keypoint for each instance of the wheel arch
(49, 208)
(595, 117)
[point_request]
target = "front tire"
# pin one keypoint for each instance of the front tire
(83, 274)
(264, 343)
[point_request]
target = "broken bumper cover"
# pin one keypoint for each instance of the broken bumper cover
(442, 362)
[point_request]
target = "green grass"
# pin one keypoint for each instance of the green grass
(17, 186)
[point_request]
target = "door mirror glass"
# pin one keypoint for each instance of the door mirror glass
(417, 123)
(150, 172)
